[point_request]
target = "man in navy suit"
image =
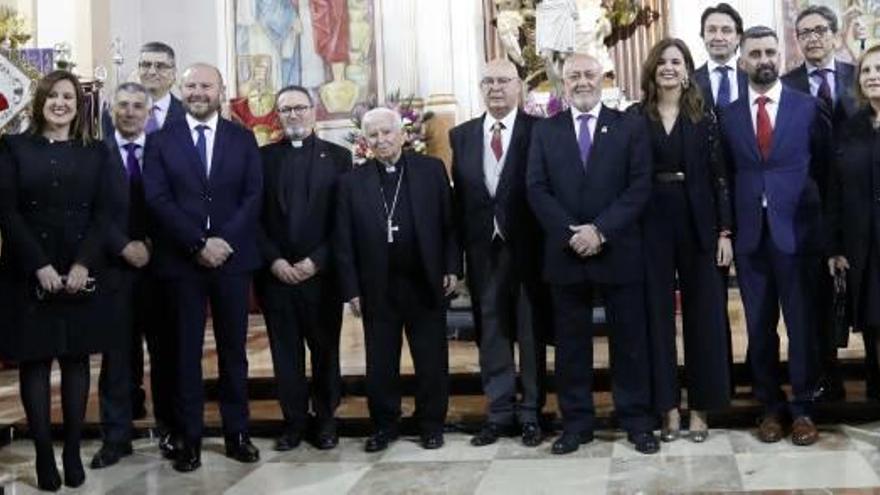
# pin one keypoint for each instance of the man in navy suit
(588, 179)
(502, 243)
(127, 245)
(830, 80)
(203, 184)
(398, 259)
(156, 72)
(778, 142)
(720, 79)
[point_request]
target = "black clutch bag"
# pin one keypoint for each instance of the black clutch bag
(64, 296)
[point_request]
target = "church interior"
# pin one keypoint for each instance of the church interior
(425, 60)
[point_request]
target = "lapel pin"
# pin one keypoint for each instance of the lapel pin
(604, 129)
(323, 154)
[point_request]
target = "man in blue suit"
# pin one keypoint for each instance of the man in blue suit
(156, 72)
(588, 180)
(778, 143)
(720, 80)
(203, 184)
(830, 80)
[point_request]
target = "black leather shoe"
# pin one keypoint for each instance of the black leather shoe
(74, 473)
(326, 440)
(110, 454)
(379, 441)
(240, 448)
(644, 442)
(288, 440)
(189, 458)
(532, 436)
(431, 441)
(570, 442)
(489, 434)
(169, 445)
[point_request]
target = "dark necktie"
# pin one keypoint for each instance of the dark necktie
(202, 145)
(765, 128)
(132, 165)
(495, 144)
(824, 92)
(152, 122)
(585, 141)
(723, 98)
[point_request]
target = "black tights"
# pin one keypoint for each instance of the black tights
(36, 398)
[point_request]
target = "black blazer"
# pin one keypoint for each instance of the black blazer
(181, 198)
(53, 211)
(361, 247)
(701, 76)
(307, 204)
(175, 112)
(475, 209)
(845, 105)
(852, 208)
(610, 194)
(707, 181)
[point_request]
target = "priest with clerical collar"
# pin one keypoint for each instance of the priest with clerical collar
(398, 259)
(297, 286)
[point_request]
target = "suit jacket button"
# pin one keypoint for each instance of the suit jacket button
(43, 235)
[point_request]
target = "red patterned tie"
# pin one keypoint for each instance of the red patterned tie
(765, 129)
(497, 148)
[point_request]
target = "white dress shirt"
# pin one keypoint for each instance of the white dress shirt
(492, 168)
(815, 82)
(591, 124)
(160, 109)
(715, 78)
(139, 151)
(210, 132)
(774, 94)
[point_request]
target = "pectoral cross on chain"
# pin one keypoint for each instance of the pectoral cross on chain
(391, 228)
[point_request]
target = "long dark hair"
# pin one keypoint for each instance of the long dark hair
(44, 87)
(691, 102)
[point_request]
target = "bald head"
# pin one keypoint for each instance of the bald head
(500, 87)
(201, 90)
(582, 76)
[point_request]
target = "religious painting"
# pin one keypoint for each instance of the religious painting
(17, 81)
(326, 46)
(859, 27)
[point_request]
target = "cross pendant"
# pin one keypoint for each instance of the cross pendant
(391, 229)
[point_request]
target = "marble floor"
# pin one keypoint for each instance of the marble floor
(846, 460)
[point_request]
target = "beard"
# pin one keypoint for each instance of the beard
(201, 112)
(296, 132)
(765, 74)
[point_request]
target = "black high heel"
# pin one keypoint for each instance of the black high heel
(74, 473)
(48, 478)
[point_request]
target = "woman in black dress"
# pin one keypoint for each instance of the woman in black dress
(853, 206)
(686, 226)
(53, 218)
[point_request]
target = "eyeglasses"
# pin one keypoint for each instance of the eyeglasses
(159, 66)
(491, 81)
(818, 31)
(297, 109)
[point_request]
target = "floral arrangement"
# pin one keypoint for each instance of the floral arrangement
(414, 126)
(540, 104)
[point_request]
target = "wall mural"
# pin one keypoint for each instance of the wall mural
(327, 46)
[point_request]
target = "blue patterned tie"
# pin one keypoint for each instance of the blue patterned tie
(202, 145)
(723, 98)
(585, 141)
(152, 122)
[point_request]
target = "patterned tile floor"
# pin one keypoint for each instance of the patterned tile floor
(846, 460)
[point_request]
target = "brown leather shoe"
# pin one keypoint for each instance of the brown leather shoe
(803, 431)
(770, 429)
